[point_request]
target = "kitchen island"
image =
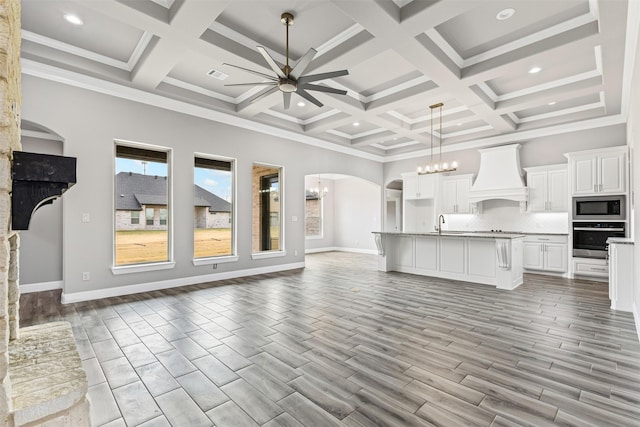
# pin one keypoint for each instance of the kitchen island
(486, 258)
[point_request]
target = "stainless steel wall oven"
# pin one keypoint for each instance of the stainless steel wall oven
(590, 238)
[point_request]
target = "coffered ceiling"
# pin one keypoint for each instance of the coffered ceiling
(402, 56)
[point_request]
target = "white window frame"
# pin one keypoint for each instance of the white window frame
(234, 214)
(282, 251)
(151, 266)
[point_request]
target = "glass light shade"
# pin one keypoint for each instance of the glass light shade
(454, 165)
(445, 165)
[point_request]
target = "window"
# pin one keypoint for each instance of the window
(149, 215)
(267, 208)
(313, 216)
(213, 180)
(163, 216)
(141, 188)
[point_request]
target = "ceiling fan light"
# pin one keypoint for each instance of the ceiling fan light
(287, 85)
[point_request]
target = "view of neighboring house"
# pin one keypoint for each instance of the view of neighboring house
(141, 204)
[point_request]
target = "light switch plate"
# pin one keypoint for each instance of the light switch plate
(86, 217)
(294, 218)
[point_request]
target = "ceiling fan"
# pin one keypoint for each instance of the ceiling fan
(289, 80)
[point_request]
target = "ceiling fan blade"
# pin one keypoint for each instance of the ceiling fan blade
(257, 73)
(327, 89)
(264, 94)
(306, 95)
(254, 84)
(272, 63)
(322, 76)
(303, 63)
(286, 96)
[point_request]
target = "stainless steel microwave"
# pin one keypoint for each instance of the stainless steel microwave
(599, 208)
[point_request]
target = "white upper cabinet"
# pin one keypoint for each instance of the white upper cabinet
(548, 188)
(418, 186)
(455, 194)
(598, 171)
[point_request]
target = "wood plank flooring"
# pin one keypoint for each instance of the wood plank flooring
(341, 344)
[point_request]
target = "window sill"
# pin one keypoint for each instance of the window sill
(141, 268)
(268, 254)
(214, 260)
(314, 237)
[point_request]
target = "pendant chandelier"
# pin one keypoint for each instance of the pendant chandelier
(437, 167)
(318, 192)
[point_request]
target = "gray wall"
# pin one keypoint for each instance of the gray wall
(357, 213)
(90, 121)
(41, 244)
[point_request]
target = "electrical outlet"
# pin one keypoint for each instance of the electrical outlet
(86, 217)
(294, 218)
(86, 275)
(295, 253)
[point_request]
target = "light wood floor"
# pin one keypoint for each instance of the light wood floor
(340, 343)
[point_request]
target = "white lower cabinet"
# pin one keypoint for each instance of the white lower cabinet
(621, 276)
(546, 253)
(452, 256)
(427, 253)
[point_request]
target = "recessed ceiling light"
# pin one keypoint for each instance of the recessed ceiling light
(459, 124)
(301, 104)
(552, 103)
(356, 123)
(505, 14)
(74, 19)
(534, 70)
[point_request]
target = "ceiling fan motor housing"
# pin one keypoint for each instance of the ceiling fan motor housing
(287, 85)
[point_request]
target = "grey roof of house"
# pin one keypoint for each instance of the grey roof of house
(134, 190)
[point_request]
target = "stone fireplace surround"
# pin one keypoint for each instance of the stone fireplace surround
(42, 382)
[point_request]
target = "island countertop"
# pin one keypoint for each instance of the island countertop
(475, 234)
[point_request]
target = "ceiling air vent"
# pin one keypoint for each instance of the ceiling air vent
(217, 74)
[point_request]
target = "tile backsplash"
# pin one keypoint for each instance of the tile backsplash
(505, 215)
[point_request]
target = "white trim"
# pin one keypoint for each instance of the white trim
(341, 249)
(564, 112)
(636, 317)
(69, 298)
(141, 268)
(549, 85)
(268, 254)
(199, 89)
(142, 44)
(214, 260)
(47, 72)
(40, 135)
(40, 287)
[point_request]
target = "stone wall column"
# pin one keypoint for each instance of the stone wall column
(10, 103)
(13, 308)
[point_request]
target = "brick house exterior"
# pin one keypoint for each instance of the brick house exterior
(141, 204)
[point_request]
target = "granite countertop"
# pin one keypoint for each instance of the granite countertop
(620, 240)
(476, 234)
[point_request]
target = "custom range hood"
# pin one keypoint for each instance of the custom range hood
(500, 176)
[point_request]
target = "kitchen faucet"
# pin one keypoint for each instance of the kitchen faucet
(441, 217)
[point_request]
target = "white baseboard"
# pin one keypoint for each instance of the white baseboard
(636, 317)
(69, 298)
(341, 249)
(40, 287)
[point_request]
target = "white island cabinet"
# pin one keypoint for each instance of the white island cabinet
(486, 258)
(621, 273)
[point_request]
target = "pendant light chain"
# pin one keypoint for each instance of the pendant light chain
(437, 167)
